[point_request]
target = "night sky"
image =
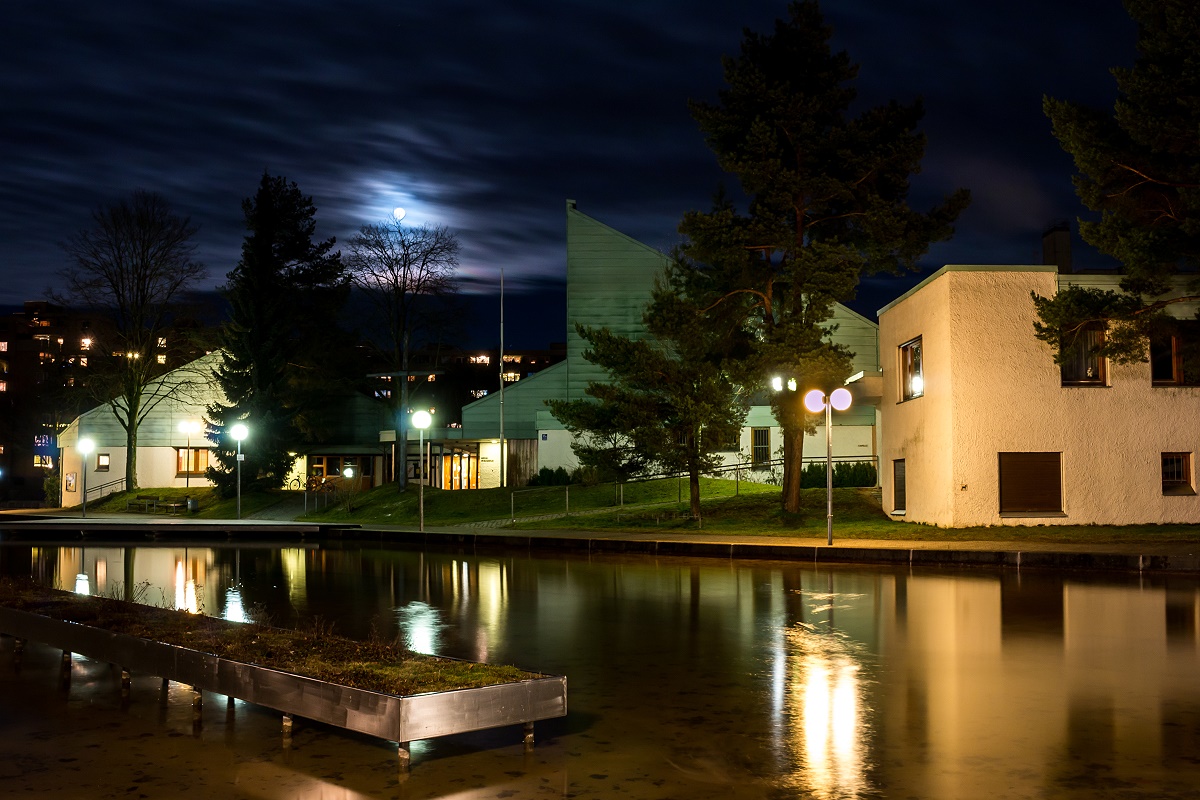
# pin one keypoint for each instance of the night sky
(487, 116)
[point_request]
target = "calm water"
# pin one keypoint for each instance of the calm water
(687, 679)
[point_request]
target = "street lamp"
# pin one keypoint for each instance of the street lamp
(188, 427)
(348, 474)
(86, 446)
(420, 421)
(816, 402)
(239, 432)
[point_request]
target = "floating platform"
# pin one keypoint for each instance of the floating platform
(401, 719)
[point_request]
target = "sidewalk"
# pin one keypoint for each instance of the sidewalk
(1149, 557)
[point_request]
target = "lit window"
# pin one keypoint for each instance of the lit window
(3, 347)
(1080, 364)
(3, 386)
(511, 377)
(85, 344)
(46, 462)
(162, 342)
(192, 461)
(512, 359)
(431, 378)
(83, 361)
(103, 462)
(41, 337)
(60, 341)
(1177, 473)
(480, 359)
(162, 359)
(912, 370)
(479, 393)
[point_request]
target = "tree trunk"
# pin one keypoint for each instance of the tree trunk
(131, 440)
(793, 467)
(694, 491)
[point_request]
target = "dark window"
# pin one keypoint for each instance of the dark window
(760, 451)
(1177, 473)
(899, 487)
(1081, 366)
(1031, 483)
(1175, 355)
(912, 374)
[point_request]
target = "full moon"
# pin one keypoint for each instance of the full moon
(398, 213)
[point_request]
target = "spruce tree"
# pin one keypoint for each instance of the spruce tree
(828, 201)
(1139, 171)
(283, 291)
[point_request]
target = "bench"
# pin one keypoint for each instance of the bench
(173, 505)
(146, 501)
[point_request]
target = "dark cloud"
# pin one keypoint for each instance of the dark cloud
(487, 117)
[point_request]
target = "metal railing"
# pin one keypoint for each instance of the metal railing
(105, 489)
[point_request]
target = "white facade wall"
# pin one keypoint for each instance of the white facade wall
(992, 387)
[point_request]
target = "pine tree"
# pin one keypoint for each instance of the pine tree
(283, 290)
(674, 399)
(1139, 170)
(827, 202)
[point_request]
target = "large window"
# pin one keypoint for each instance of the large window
(912, 374)
(1081, 366)
(760, 446)
(1177, 473)
(193, 461)
(1175, 355)
(899, 487)
(1031, 483)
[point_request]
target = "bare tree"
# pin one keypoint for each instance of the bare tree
(405, 272)
(133, 266)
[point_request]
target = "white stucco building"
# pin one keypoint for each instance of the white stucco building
(981, 427)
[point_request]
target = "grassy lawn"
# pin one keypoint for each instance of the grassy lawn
(210, 505)
(728, 507)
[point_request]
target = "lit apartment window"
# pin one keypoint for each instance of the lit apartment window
(3, 386)
(912, 373)
(3, 347)
(512, 359)
(431, 378)
(161, 359)
(103, 462)
(510, 377)
(1080, 365)
(1177, 473)
(83, 361)
(480, 360)
(1175, 356)
(41, 337)
(85, 344)
(1031, 483)
(477, 393)
(760, 446)
(162, 341)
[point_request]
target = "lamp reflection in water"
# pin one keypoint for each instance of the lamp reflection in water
(828, 731)
(422, 627)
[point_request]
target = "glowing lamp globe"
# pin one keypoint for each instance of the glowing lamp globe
(840, 399)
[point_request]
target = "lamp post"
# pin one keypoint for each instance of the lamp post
(188, 427)
(86, 446)
(348, 474)
(239, 432)
(420, 421)
(816, 402)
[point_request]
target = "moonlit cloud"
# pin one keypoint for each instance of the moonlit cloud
(486, 117)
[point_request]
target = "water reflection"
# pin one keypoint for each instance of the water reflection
(725, 679)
